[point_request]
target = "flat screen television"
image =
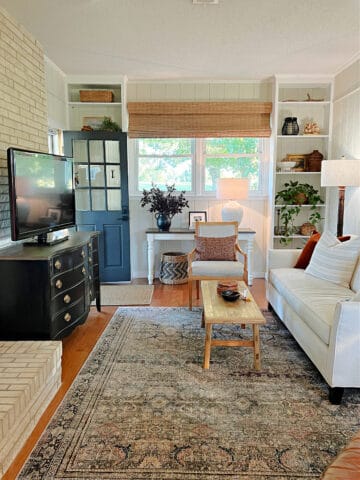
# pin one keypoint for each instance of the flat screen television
(42, 196)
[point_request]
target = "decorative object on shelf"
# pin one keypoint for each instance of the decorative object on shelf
(165, 204)
(299, 158)
(293, 196)
(290, 126)
(340, 173)
(196, 217)
(92, 123)
(286, 166)
(232, 189)
(309, 99)
(311, 128)
(313, 161)
(307, 229)
(102, 96)
(109, 125)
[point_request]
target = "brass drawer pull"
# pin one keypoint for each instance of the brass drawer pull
(83, 270)
(90, 293)
(67, 299)
(83, 254)
(57, 264)
(90, 260)
(67, 317)
(58, 284)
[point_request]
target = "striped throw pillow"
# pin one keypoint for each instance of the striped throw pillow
(334, 261)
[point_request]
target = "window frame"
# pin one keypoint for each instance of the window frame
(198, 168)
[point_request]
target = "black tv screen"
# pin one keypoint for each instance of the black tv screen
(42, 197)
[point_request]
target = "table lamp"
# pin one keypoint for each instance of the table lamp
(340, 173)
(232, 189)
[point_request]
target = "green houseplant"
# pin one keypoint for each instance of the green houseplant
(292, 197)
(165, 204)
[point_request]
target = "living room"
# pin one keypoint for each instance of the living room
(35, 99)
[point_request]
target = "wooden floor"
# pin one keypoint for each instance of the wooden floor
(78, 345)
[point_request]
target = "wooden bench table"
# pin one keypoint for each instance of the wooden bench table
(219, 311)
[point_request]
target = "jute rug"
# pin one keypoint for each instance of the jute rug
(126, 294)
(142, 408)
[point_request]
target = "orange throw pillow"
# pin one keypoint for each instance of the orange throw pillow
(212, 248)
(305, 256)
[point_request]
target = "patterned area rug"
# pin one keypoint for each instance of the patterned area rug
(126, 294)
(142, 408)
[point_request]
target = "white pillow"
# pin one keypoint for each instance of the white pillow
(356, 297)
(333, 260)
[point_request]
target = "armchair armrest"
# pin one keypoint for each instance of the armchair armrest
(191, 256)
(239, 250)
(282, 258)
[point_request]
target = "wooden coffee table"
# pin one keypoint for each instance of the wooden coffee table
(219, 311)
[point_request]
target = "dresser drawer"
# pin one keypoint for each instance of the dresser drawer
(68, 260)
(67, 280)
(67, 297)
(70, 315)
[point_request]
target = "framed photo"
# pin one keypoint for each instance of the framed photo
(300, 160)
(54, 213)
(93, 122)
(196, 217)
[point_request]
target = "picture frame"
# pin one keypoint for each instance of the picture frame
(300, 159)
(54, 213)
(196, 216)
(93, 121)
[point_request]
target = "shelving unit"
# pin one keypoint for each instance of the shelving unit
(91, 113)
(291, 99)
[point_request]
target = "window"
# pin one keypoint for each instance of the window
(194, 165)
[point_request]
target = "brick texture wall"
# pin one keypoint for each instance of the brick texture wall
(23, 112)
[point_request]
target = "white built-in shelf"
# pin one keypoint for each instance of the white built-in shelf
(295, 102)
(107, 104)
(303, 136)
(303, 205)
(291, 236)
(298, 173)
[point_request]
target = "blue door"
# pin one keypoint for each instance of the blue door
(102, 197)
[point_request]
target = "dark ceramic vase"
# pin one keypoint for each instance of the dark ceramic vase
(163, 222)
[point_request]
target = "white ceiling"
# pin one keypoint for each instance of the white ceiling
(174, 39)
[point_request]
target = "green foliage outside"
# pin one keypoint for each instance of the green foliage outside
(168, 160)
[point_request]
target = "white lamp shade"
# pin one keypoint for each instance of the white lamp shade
(340, 173)
(232, 188)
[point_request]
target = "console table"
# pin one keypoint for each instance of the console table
(153, 235)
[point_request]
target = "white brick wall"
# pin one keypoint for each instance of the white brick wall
(23, 112)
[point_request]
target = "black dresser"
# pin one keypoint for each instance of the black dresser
(46, 291)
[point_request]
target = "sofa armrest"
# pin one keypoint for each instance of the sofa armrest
(282, 258)
(344, 347)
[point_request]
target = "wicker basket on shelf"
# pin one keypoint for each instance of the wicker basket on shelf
(307, 229)
(105, 96)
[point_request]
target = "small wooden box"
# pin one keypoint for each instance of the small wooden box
(105, 96)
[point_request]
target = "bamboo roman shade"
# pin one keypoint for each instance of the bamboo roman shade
(199, 119)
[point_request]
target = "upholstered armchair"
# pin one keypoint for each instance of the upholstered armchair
(216, 255)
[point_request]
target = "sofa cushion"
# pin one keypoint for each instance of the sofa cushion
(217, 269)
(305, 256)
(355, 280)
(334, 261)
(313, 299)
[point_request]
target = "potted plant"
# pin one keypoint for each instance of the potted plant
(293, 196)
(165, 204)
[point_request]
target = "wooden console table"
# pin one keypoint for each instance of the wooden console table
(153, 235)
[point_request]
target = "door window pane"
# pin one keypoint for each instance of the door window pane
(113, 175)
(112, 151)
(96, 151)
(97, 176)
(82, 199)
(81, 176)
(98, 199)
(114, 199)
(80, 152)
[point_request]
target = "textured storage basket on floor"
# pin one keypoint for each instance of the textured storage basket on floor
(173, 268)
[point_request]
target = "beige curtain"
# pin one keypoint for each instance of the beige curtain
(199, 119)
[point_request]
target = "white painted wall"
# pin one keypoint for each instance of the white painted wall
(346, 141)
(55, 96)
(255, 209)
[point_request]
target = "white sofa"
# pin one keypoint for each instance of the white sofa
(323, 317)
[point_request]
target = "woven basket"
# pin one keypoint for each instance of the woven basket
(174, 268)
(307, 229)
(105, 96)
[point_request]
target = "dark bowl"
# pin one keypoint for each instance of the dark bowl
(230, 295)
